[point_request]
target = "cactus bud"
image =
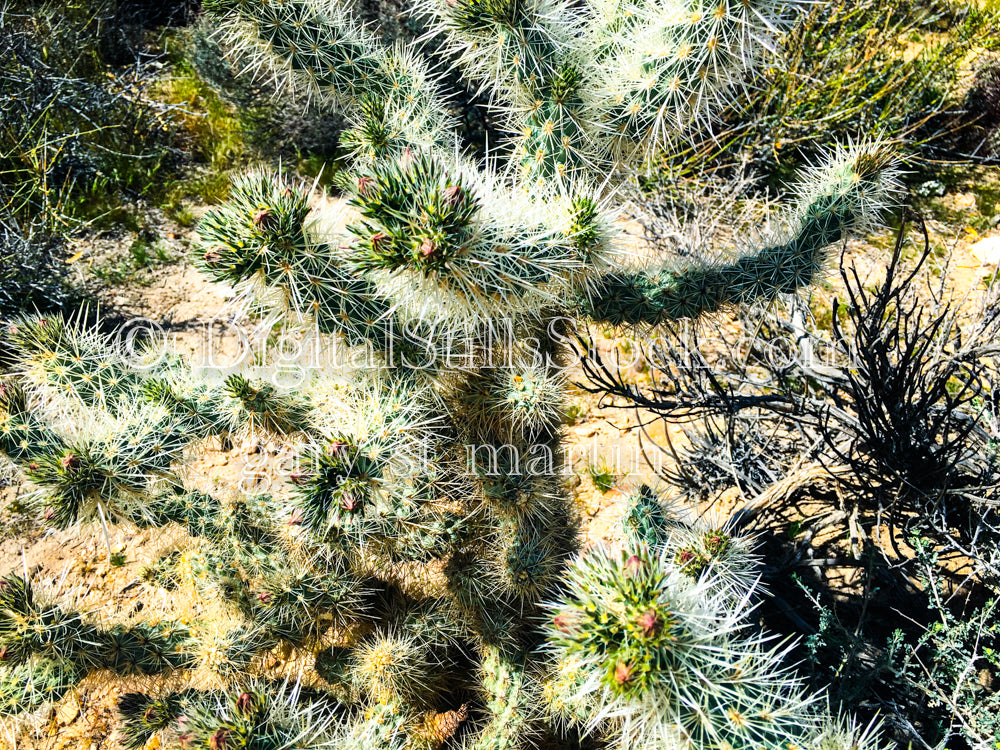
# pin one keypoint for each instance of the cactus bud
(33, 466)
(453, 195)
(684, 557)
(245, 704)
(364, 185)
(624, 673)
(296, 518)
(716, 542)
(264, 597)
(286, 192)
(218, 740)
(70, 462)
(649, 624)
(213, 258)
(3, 653)
(428, 247)
(379, 240)
(299, 477)
(406, 159)
(563, 622)
(49, 513)
(634, 565)
(265, 220)
(349, 501)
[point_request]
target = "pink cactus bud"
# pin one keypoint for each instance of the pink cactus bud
(70, 462)
(4, 653)
(428, 247)
(365, 184)
(33, 466)
(453, 195)
(406, 159)
(649, 623)
(624, 673)
(265, 219)
(213, 258)
(286, 192)
(245, 703)
(300, 477)
(49, 514)
(379, 241)
(634, 565)
(218, 740)
(264, 597)
(296, 518)
(563, 621)
(349, 501)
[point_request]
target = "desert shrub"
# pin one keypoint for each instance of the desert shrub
(34, 275)
(850, 68)
(982, 106)
(79, 137)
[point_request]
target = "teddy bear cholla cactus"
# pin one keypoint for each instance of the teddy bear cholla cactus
(423, 535)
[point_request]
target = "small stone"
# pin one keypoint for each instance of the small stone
(68, 710)
(585, 430)
(987, 251)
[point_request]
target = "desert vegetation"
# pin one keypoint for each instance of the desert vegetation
(308, 305)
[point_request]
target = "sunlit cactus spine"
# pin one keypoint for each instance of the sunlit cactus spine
(649, 658)
(845, 196)
(28, 686)
(59, 646)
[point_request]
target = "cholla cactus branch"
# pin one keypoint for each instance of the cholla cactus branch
(846, 196)
(391, 96)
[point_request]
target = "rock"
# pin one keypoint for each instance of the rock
(585, 430)
(68, 710)
(987, 251)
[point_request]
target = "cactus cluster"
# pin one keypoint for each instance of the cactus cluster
(46, 648)
(422, 557)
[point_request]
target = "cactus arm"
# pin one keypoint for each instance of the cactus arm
(389, 93)
(511, 697)
(72, 363)
(23, 435)
(845, 196)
